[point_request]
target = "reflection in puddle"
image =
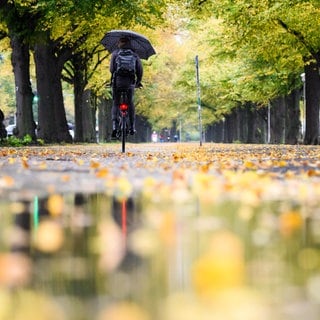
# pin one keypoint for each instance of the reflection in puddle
(92, 256)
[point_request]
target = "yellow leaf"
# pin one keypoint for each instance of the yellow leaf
(65, 178)
(94, 164)
(12, 160)
(42, 166)
(149, 156)
(7, 181)
(55, 204)
(102, 173)
(205, 168)
(24, 162)
(289, 174)
(312, 173)
(282, 163)
(249, 165)
(79, 162)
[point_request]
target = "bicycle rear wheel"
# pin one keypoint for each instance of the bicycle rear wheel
(124, 134)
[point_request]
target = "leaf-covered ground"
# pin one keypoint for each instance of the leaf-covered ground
(268, 170)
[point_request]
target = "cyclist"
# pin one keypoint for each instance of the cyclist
(127, 82)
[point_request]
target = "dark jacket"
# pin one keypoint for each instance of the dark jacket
(124, 81)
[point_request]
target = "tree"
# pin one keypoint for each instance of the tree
(19, 28)
(82, 36)
(60, 31)
(283, 35)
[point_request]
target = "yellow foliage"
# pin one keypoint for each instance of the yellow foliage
(29, 305)
(124, 311)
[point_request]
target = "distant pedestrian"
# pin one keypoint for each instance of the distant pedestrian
(154, 137)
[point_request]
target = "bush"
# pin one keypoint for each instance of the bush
(13, 141)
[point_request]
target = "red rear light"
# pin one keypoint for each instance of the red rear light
(123, 107)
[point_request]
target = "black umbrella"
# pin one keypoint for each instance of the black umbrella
(139, 43)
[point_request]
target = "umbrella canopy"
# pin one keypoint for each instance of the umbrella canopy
(139, 43)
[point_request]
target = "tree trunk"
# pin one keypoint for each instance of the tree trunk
(312, 83)
(218, 131)
(262, 124)
(84, 109)
(228, 125)
(243, 124)
(236, 125)
(88, 118)
(255, 125)
(20, 60)
(78, 87)
(104, 119)
(52, 125)
(251, 124)
(293, 117)
(278, 117)
(210, 132)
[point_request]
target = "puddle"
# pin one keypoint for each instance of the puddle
(93, 256)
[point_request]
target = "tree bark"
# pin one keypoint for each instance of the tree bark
(218, 131)
(20, 60)
(293, 117)
(228, 125)
(312, 83)
(85, 118)
(243, 124)
(88, 118)
(251, 124)
(104, 119)
(78, 87)
(52, 125)
(278, 117)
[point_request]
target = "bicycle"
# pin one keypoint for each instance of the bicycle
(123, 119)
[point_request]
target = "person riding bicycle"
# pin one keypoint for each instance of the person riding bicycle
(128, 82)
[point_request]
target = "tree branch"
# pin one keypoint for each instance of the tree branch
(301, 38)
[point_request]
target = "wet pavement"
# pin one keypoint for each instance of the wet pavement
(88, 168)
(163, 232)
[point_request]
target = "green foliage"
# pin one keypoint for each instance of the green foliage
(7, 90)
(251, 50)
(13, 141)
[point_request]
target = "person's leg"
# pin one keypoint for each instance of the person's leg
(115, 112)
(132, 115)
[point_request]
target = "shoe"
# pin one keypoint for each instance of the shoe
(114, 134)
(132, 131)
(115, 129)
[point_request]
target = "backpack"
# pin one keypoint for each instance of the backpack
(126, 63)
